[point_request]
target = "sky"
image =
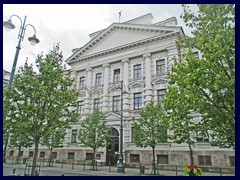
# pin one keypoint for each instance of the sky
(71, 24)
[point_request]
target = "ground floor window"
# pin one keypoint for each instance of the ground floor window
(162, 159)
(54, 155)
(11, 153)
(30, 154)
(42, 154)
(204, 160)
(71, 155)
(89, 156)
(134, 158)
(232, 161)
(21, 154)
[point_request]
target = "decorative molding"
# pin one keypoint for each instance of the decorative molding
(106, 65)
(125, 60)
(88, 69)
(146, 55)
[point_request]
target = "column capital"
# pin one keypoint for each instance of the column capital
(147, 55)
(106, 65)
(89, 69)
(125, 60)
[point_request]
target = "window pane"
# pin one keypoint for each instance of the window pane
(137, 71)
(74, 136)
(116, 75)
(98, 79)
(82, 81)
(71, 155)
(137, 100)
(116, 103)
(160, 67)
(162, 159)
(134, 158)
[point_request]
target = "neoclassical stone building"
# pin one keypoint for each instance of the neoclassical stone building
(138, 53)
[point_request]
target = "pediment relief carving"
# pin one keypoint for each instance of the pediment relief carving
(112, 116)
(159, 80)
(136, 84)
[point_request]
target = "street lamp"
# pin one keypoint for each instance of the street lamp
(8, 26)
(121, 168)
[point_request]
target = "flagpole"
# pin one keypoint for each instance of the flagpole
(120, 13)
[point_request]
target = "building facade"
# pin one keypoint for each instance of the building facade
(139, 54)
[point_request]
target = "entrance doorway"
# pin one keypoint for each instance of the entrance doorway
(113, 147)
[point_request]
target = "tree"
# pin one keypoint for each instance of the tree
(53, 139)
(42, 101)
(150, 128)
(93, 132)
(208, 81)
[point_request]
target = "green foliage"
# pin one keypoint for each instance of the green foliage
(151, 127)
(93, 131)
(40, 102)
(206, 85)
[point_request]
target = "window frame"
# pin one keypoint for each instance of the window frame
(137, 71)
(97, 104)
(116, 106)
(74, 136)
(160, 67)
(82, 81)
(116, 75)
(98, 79)
(137, 100)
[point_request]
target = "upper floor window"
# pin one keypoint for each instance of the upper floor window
(96, 104)
(160, 67)
(161, 94)
(80, 107)
(116, 75)
(137, 71)
(82, 81)
(98, 79)
(74, 136)
(196, 55)
(116, 103)
(138, 101)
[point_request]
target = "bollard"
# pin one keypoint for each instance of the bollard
(14, 171)
(62, 164)
(220, 171)
(176, 171)
(84, 165)
(62, 174)
(73, 164)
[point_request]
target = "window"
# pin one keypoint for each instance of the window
(96, 104)
(161, 94)
(89, 156)
(201, 134)
(133, 139)
(134, 158)
(54, 155)
(82, 81)
(42, 154)
(204, 160)
(116, 75)
(137, 100)
(74, 136)
(98, 79)
(11, 153)
(196, 55)
(160, 67)
(162, 159)
(30, 154)
(163, 137)
(80, 107)
(116, 103)
(232, 161)
(98, 156)
(137, 71)
(71, 155)
(21, 154)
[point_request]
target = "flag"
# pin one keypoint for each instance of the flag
(120, 13)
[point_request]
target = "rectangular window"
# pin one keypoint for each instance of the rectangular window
(98, 79)
(133, 139)
(96, 104)
(161, 94)
(162, 159)
(204, 160)
(54, 155)
(11, 153)
(160, 67)
(201, 134)
(82, 81)
(21, 154)
(116, 103)
(116, 75)
(98, 156)
(71, 155)
(163, 137)
(138, 101)
(137, 71)
(42, 154)
(196, 55)
(74, 136)
(89, 156)
(30, 154)
(80, 107)
(232, 161)
(134, 158)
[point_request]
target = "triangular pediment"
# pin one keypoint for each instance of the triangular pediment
(159, 80)
(112, 116)
(136, 84)
(118, 35)
(114, 87)
(96, 90)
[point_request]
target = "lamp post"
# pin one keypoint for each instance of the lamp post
(8, 25)
(121, 168)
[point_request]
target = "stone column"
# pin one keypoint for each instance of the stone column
(148, 78)
(105, 104)
(88, 87)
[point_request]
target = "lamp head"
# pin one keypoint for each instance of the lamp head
(33, 40)
(8, 25)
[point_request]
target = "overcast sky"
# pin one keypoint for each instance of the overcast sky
(71, 24)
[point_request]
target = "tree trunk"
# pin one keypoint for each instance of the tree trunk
(36, 143)
(154, 165)
(19, 149)
(50, 157)
(93, 160)
(191, 154)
